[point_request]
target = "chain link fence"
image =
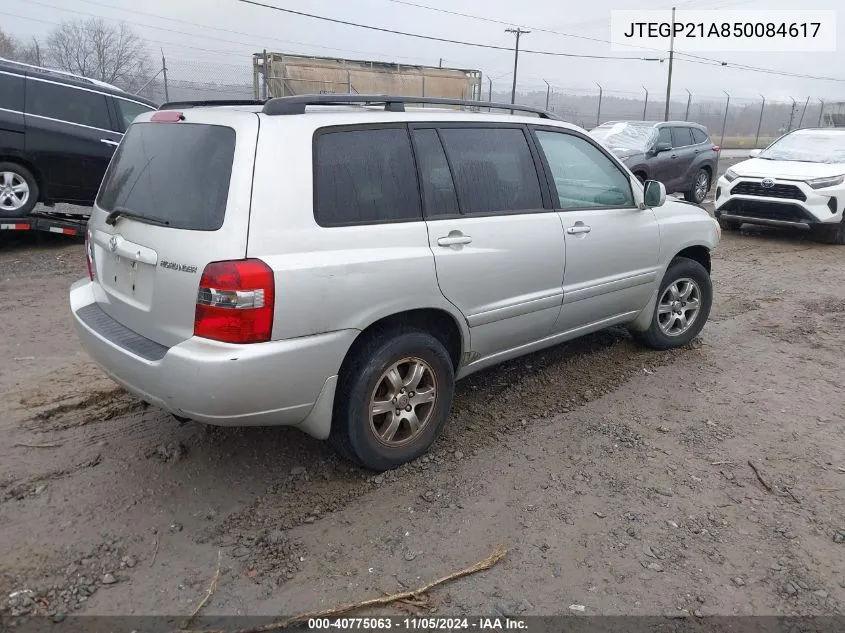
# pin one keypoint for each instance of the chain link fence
(733, 121)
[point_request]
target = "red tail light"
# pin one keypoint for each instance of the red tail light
(89, 255)
(235, 302)
(716, 148)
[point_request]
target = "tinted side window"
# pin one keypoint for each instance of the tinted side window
(698, 136)
(493, 169)
(584, 177)
(11, 92)
(439, 195)
(365, 177)
(129, 110)
(67, 104)
(681, 137)
(664, 135)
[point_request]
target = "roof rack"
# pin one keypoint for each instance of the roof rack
(297, 104)
(211, 102)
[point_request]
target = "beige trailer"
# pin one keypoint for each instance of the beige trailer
(281, 75)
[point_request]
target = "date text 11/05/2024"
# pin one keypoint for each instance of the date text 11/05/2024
(723, 29)
(418, 624)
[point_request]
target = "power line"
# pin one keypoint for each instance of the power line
(714, 62)
(218, 39)
(434, 38)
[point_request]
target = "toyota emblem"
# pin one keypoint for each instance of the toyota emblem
(767, 183)
(113, 243)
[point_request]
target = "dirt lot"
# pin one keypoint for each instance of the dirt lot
(617, 477)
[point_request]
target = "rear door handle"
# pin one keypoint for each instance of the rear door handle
(108, 141)
(455, 238)
(578, 228)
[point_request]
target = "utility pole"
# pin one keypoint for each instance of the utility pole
(821, 112)
(671, 57)
(441, 63)
(689, 101)
(518, 32)
(548, 94)
(489, 89)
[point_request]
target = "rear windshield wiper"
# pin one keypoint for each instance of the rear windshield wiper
(123, 212)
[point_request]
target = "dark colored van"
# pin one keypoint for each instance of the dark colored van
(58, 132)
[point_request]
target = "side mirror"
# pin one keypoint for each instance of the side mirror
(654, 194)
(661, 147)
(754, 153)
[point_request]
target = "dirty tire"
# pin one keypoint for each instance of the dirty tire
(729, 225)
(363, 374)
(32, 199)
(699, 187)
(681, 268)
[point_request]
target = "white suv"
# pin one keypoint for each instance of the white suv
(797, 182)
(335, 262)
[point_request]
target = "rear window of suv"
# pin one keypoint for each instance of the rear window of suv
(176, 174)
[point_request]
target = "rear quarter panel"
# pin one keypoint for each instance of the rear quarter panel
(333, 278)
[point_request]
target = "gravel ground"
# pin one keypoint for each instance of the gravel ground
(618, 478)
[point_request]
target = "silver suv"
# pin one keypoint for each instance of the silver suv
(335, 262)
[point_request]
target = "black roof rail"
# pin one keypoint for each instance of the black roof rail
(297, 104)
(211, 102)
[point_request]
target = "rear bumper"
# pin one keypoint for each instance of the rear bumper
(274, 383)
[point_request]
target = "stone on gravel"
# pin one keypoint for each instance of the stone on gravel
(663, 492)
(109, 579)
(459, 455)
(653, 566)
(738, 581)
(524, 606)
(556, 571)
(839, 537)
(175, 527)
(821, 593)
(172, 452)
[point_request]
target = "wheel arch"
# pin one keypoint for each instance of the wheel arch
(696, 252)
(442, 324)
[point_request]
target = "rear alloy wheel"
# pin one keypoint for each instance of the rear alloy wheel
(18, 191)
(393, 398)
(683, 305)
(700, 187)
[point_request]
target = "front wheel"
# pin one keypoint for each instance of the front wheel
(700, 187)
(683, 305)
(393, 399)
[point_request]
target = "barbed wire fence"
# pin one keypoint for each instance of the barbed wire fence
(734, 121)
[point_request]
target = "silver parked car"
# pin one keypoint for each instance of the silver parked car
(336, 262)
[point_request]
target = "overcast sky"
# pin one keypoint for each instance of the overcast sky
(201, 30)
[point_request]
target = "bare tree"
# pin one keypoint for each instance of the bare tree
(8, 46)
(95, 49)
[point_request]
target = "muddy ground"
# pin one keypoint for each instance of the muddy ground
(617, 477)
